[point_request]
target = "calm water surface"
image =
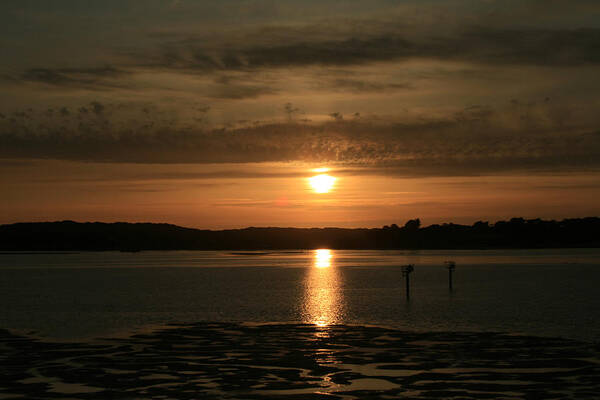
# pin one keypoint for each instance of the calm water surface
(540, 292)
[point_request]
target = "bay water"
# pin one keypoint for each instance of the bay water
(542, 292)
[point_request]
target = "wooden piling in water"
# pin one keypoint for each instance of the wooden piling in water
(406, 271)
(451, 265)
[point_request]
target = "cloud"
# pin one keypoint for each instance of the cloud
(220, 174)
(344, 43)
(361, 86)
(316, 45)
(101, 77)
(260, 204)
(531, 32)
(144, 187)
(8, 162)
(476, 140)
(237, 91)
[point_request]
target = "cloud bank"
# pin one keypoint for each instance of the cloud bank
(428, 85)
(477, 140)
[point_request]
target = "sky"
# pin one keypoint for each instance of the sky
(215, 114)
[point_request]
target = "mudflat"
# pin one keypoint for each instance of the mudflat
(298, 361)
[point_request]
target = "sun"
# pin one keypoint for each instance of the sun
(322, 183)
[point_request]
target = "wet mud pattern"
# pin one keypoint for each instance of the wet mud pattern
(295, 361)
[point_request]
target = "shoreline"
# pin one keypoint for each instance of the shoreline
(134, 237)
(152, 328)
(240, 251)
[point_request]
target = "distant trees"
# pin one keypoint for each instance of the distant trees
(481, 226)
(515, 233)
(413, 224)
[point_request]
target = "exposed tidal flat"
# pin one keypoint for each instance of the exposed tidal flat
(299, 361)
(300, 324)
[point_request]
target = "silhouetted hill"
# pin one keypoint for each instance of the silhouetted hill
(516, 233)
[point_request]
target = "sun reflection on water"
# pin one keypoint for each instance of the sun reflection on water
(323, 258)
(323, 300)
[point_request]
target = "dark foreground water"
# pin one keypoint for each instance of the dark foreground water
(187, 325)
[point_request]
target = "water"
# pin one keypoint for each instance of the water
(538, 292)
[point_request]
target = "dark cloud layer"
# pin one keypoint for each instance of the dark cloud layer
(478, 44)
(477, 140)
(262, 59)
(284, 47)
(362, 86)
(76, 77)
(332, 43)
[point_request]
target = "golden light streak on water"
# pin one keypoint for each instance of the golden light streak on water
(323, 299)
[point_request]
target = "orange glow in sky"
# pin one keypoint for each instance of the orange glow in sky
(241, 114)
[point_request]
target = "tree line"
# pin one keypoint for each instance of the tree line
(514, 233)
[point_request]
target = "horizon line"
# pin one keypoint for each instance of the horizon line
(390, 226)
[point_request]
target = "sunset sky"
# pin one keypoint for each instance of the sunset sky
(215, 114)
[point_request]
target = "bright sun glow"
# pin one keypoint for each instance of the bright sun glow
(323, 258)
(322, 183)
